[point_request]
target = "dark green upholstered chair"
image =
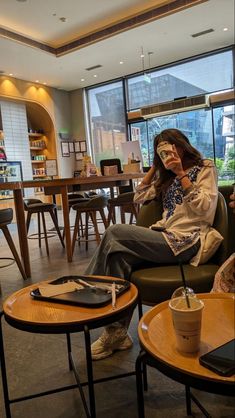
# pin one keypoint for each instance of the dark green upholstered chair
(226, 192)
(157, 283)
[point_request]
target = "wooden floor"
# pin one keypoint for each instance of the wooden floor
(38, 362)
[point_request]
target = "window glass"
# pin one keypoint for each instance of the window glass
(196, 125)
(224, 121)
(182, 80)
(107, 121)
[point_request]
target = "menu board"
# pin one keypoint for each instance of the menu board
(51, 168)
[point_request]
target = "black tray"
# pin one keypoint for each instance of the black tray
(85, 297)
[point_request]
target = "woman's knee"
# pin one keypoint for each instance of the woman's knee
(116, 230)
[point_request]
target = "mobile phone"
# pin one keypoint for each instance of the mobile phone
(221, 360)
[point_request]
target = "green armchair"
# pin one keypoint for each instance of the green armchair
(157, 283)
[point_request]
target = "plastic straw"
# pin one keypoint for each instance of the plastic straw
(184, 284)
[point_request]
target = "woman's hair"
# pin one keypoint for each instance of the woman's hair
(190, 157)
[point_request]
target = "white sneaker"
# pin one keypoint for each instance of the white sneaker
(112, 339)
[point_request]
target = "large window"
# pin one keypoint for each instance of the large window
(107, 121)
(196, 125)
(224, 131)
(210, 131)
(183, 80)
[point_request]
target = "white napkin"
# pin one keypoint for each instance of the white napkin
(49, 290)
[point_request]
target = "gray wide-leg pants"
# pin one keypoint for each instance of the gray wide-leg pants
(125, 246)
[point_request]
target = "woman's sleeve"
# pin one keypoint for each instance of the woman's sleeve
(202, 196)
(144, 193)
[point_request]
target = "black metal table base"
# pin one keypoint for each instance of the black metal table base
(145, 359)
(90, 409)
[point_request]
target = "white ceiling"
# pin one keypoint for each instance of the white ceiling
(169, 38)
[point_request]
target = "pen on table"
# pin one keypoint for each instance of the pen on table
(113, 296)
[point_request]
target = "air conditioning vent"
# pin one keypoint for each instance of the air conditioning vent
(93, 68)
(178, 105)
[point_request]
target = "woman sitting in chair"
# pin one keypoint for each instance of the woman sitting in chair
(187, 187)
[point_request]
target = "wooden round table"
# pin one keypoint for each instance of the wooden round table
(23, 312)
(157, 338)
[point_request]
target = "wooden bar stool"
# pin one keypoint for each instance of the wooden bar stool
(32, 206)
(6, 216)
(125, 201)
(90, 208)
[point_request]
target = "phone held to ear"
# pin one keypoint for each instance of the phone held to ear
(221, 360)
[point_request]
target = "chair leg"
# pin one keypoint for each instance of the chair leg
(75, 231)
(29, 214)
(123, 219)
(111, 216)
(13, 250)
(94, 220)
(86, 229)
(45, 232)
(39, 230)
(53, 217)
(102, 214)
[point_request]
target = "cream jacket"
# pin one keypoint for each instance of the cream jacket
(188, 215)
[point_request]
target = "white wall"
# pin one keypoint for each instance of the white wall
(16, 139)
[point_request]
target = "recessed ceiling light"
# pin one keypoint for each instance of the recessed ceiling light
(11, 74)
(44, 84)
(142, 56)
(36, 81)
(82, 79)
(225, 29)
(121, 62)
(95, 75)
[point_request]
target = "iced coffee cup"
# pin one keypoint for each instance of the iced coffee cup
(187, 318)
(165, 152)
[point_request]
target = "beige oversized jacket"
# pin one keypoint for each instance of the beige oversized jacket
(188, 216)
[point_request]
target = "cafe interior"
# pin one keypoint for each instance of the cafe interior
(84, 89)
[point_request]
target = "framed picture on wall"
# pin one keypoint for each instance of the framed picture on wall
(71, 147)
(77, 146)
(83, 146)
(78, 156)
(65, 149)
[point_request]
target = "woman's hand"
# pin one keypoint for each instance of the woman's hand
(175, 164)
(149, 175)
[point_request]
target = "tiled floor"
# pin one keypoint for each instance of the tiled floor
(38, 362)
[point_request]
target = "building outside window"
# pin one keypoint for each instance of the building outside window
(107, 121)
(211, 130)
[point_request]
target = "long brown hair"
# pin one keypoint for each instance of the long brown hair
(191, 157)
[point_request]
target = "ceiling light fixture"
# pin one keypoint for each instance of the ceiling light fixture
(36, 81)
(44, 83)
(225, 29)
(82, 79)
(11, 74)
(147, 77)
(121, 62)
(95, 75)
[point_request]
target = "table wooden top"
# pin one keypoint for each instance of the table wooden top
(86, 181)
(23, 309)
(157, 335)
